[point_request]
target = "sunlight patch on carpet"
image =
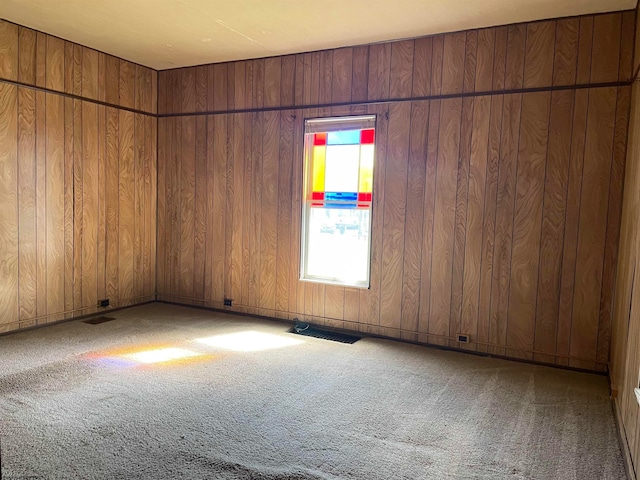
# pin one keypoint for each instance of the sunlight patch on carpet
(161, 355)
(249, 341)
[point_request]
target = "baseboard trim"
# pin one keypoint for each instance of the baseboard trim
(622, 440)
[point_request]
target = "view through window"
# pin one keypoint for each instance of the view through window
(338, 195)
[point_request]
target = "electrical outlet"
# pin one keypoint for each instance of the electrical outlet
(104, 302)
(228, 302)
(463, 338)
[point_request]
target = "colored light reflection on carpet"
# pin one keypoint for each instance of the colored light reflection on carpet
(249, 341)
(161, 355)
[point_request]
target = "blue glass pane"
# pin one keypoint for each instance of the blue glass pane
(341, 196)
(345, 137)
(340, 205)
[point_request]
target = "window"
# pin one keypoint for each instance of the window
(338, 194)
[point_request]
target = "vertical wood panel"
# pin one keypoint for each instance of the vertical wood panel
(475, 210)
(342, 75)
(55, 64)
(413, 225)
(126, 221)
(77, 204)
(127, 81)
(68, 205)
(539, 54)
(394, 210)
(90, 73)
(400, 83)
(112, 80)
(26, 56)
(610, 262)
(8, 50)
(284, 262)
(565, 60)
(187, 207)
(200, 214)
(605, 56)
(504, 221)
(489, 221)
(8, 197)
(55, 204)
(444, 217)
(484, 59)
(593, 221)
(429, 209)
(113, 204)
(553, 221)
(459, 238)
(237, 235)
(89, 217)
(269, 210)
(421, 83)
(514, 69)
(574, 192)
(26, 203)
(453, 63)
(527, 220)
(585, 42)
(379, 71)
(219, 160)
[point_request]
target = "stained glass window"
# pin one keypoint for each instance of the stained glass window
(338, 196)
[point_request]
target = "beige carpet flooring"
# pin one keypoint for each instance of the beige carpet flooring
(249, 401)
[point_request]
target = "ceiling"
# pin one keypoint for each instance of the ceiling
(174, 33)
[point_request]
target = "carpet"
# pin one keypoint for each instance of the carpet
(166, 392)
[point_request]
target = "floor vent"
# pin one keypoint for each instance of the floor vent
(98, 320)
(308, 331)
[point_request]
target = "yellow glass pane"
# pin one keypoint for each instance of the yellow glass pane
(319, 161)
(365, 184)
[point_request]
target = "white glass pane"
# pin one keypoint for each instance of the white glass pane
(338, 245)
(341, 174)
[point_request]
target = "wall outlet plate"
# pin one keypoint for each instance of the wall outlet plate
(104, 302)
(228, 302)
(463, 338)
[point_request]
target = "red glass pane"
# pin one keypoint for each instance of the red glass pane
(320, 139)
(364, 197)
(367, 136)
(317, 195)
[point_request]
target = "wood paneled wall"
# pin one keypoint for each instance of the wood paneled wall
(41, 60)
(625, 345)
(77, 181)
(495, 215)
(566, 52)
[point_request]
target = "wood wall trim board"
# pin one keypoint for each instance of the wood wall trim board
(384, 101)
(75, 97)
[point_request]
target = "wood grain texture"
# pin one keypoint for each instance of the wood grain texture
(505, 205)
(413, 225)
(566, 51)
(468, 194)
(444, 217)
(539, 54)
(27, 231)
(527, 220)
(8, 50)
(394, 210)
(605, 56)
(474, 218)
(27, 56)
(553, 222)
(593, 221)
(9, 312)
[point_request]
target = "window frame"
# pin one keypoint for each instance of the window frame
(322, 125)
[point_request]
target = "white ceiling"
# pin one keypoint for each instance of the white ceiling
(174, 33)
